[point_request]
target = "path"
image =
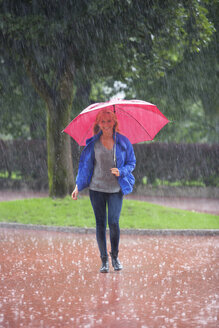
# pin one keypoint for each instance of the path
(52, 279)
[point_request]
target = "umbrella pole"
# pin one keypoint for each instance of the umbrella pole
(114, 152)
(114, 148)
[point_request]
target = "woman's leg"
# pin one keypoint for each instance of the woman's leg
(98, 201)
(114, 209)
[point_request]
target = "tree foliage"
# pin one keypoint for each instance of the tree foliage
(23, 112)
(186, 90)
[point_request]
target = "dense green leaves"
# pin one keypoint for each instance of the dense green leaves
(151, 34)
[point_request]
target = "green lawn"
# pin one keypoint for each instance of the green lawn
(135, 214)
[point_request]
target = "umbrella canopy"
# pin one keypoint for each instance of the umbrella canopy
(138, 120)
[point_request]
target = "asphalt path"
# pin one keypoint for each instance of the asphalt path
(51, 279)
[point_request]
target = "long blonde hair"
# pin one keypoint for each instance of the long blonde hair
(96, 128)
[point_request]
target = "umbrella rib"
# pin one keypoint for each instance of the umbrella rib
(135, 120)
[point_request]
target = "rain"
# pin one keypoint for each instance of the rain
(56, 59)
(51, 279)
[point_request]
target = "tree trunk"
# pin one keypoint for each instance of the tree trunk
(58, 101)
(60, 168)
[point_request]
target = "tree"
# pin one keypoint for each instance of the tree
(186, 91)
(58, 43)
(23, 114)
(193, 85)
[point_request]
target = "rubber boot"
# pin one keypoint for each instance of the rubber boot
(115, 261)
(105, 264)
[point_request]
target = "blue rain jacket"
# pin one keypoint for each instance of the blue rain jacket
(125, 159)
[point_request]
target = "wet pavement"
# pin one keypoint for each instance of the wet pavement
(52, 279)
(202, 205)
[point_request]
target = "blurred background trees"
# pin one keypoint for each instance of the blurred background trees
(57, 58)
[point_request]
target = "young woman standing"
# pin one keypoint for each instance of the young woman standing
(105, 167)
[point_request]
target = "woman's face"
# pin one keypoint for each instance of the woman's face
(106, 124)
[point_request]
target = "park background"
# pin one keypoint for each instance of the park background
(56, 60)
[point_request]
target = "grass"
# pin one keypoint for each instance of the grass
(135, 214)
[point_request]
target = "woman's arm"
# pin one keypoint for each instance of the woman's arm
(130, 162)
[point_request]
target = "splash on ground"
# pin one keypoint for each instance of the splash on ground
(51, 279)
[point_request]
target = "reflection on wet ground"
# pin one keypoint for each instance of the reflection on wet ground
(52, 279)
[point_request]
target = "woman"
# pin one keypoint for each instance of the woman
(105, 167)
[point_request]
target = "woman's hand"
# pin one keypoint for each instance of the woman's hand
(74, 194)
(115, 171)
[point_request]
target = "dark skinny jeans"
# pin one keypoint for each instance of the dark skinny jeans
(100, 201)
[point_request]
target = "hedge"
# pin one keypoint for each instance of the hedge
(164, 161)
(178, 162)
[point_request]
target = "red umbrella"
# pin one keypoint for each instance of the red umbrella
(138, 120)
